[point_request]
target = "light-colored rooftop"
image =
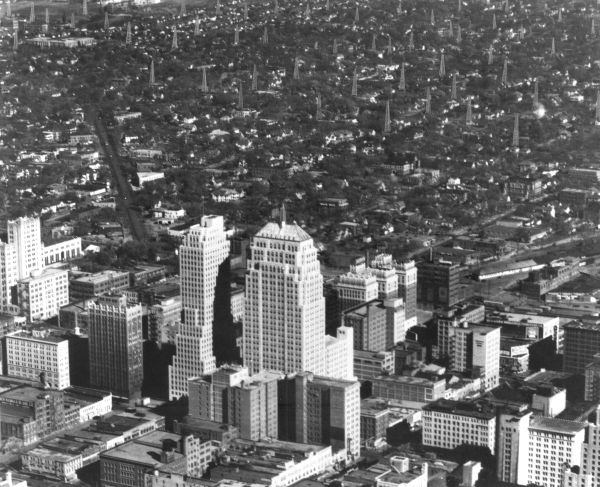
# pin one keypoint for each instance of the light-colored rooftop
(555, 425)
(284, 231)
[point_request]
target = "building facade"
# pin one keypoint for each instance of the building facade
(37, 354)
(284, 326)
(41, 295)
(203, 251)
(116, 345)
(25, 234)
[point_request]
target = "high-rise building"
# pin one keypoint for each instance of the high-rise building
(452, 318)
(9, 275)
(116, 345)
(25, 234)
(407, 290)
(284, 326)
(43, 294)
(232, 396)
(378, 325)
(320, 410)
(339, 354)
(38, 356)
(536, 449)
(592, 379)
(438, 283)
(476, 349)
(581, 343)
(203, 251)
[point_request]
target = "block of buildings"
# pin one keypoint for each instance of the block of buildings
(37, 354)
(408, 389)
(272, 463)
(449, 424)
(321, 410)
(92, 285)
(438, 283)
(372, 364)
(62, 250)
(581, 343)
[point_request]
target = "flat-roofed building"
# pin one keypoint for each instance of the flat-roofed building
(449, 424)
(38, 355)
(406, 388)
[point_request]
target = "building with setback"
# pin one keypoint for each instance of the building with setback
(203, 251)
(116, 345)
(581, 343)
(284, 326)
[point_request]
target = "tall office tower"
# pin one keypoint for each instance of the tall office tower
(580, 343)
(9, 274)
(25, 234)
(356, 287)
(231, 395)
(592, 379)
(476, 349)
(513, 453)
(535, 449)
(115, 334)
(284, 326)
(85, 7)
(339, 353)
(590, 455)
(516, 138)
(449, 319)
(43, 294)
(387, 125)
(407, 290)
(377, 325)
(438, 283)
(203, 251)
(320, 410)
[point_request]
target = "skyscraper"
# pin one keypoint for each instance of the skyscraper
(203, 251)
(284, 328)
(25, 234)
(116, 345)
(8, 274)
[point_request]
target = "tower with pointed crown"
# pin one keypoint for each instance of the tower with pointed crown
(196, 26)
(128, 36)
(32, 13)
(387, 127)
(296, 68)
(505, 72)
(402, 84)
(515, 139)
(355, 83)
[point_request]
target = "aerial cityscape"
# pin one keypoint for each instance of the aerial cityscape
(311, 243)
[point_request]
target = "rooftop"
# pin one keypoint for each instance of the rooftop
(142, 453)
(555, 425)
(37, 337)
(480, 410)
(25, 393)
(284, 231)
(519, 318)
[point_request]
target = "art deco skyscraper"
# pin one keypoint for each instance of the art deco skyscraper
(25, 234)
(203, 251)
(284, 327)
